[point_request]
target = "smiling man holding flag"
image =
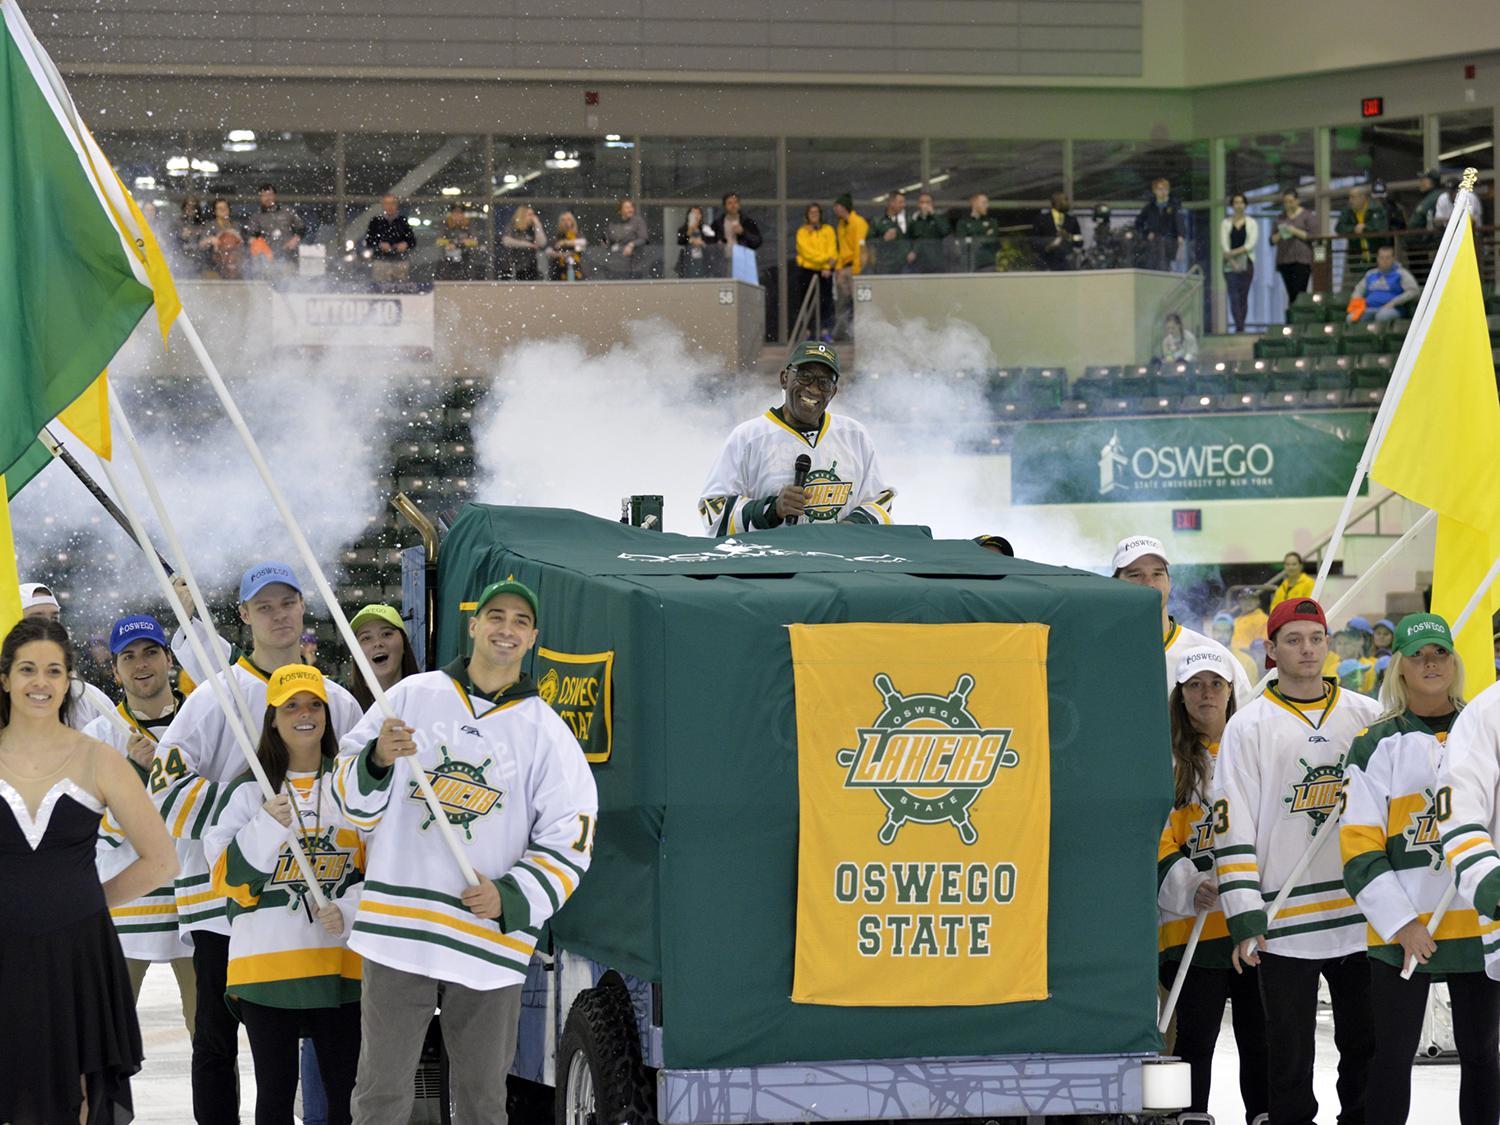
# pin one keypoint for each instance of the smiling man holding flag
(73, 289)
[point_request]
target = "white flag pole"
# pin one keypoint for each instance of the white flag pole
(1322, 833)
(278, 498)
(1476, 598)
(1432, 924)
(242, 739)
(1421, 319)
(1182, 970)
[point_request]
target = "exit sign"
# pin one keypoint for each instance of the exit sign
(1187, 519)
(1371, 107)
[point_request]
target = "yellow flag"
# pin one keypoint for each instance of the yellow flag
(924, 779)
(87, 418)
(1442, 449)
(10, 580)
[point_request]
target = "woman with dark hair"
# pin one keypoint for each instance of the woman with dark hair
(291, 973)
(69, 1042)
(1200, 704)
(382, 635)
(1239, 235)
(695, 236)
(1295, 581)
(817, 254)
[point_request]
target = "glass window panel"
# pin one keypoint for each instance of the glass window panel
(1384, 150)
(704, 168)
(1029, 170)
(416, 164)
(825, 168)
(588, 167)
(297, 163)
(1263, 165)
(1467, 139)
(1123, 170)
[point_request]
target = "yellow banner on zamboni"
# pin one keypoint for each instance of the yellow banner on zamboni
(925, 780)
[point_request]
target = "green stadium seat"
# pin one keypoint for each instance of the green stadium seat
(1333, 372)
(1292, 374)
(1393, 333)
(1042, 388)
(1180, 370)
(1492, 303)
(1373, 371)
(1250, 382)
(1493, 320)
(1277, 342)
(1212, 378)
(1136, 381)
(1319, 339)
(1364, 338)
(1307, 308)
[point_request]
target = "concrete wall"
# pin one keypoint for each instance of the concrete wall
(1039, 319)
(476, 323)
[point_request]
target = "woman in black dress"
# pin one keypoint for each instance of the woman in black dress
(69, 1041)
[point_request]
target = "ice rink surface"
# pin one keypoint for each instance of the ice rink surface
(163, 1095)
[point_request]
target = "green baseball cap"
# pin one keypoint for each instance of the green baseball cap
(815, 351)
(377, 612)
(1418, 629)
(507, 586)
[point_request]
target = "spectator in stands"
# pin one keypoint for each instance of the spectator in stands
(1361, 218)
(458, 243)
(1055, 235)
(519, 245)
(1395, 216)
(888, 232)
(979, 235)
(389, 241)
(694, 238)
(276, 233)
(927, 229)
(1178, 344)
(1383, 636)
(1249, 619)
(189, 235)
(737, 228)
(1295, 582)
(817, 254)
(1385, 290)
(1110, 248)
(1291, 238)
(1443, 209)
(852, 231)
(626, 235)
(566, 251)
(1161, 227)
(1222, 630)
(1239, 235)
(1429, 183)
(223, 243)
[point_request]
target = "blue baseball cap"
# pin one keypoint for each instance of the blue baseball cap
(138, 627)
(1361, 625)
(258, 577)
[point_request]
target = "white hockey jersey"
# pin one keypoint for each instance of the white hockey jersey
(1180, 639)
(759, 460)
(1469, 778)
(520, 797)
(194, 757)
(147, 926)
(1392, 845)
(1184, 858)
(1279, 776)
(279, 953)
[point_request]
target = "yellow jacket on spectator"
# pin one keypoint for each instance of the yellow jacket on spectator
(852, 234)
(1248, 628)
(1302, 588)
(817, 247)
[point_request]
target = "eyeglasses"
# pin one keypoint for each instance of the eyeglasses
(824, 383)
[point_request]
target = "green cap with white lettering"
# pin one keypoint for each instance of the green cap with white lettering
(814, 351)
(1418, 629)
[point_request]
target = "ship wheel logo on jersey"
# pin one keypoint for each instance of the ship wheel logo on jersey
(330, 865)
(1200, 840)
(461, 791)
(1319, 793)
(547, 687)
(827, 494)
(927, 758)
(1425, 829)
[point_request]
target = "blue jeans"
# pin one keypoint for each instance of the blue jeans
(314, 1104)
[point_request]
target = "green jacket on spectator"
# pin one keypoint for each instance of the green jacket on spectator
(890, 254)
(1421, 214)
(927, 233)
(978, 241)
(1362, 250)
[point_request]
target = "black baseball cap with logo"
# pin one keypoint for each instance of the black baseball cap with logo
(814, 351)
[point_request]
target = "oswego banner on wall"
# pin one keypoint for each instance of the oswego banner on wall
(1217, 457)
(924, 770)
(352, 320)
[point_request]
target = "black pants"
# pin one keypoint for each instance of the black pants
(1399, 1007)
(216, 1036)
(276, 1045)
(1238, 285)
(803, 278)
(1294, 275)
(1289, 992)
(1200, 1013)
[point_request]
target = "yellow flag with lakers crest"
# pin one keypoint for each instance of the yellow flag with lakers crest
(925, 778)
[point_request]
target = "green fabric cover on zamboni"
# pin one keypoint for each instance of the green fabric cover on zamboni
(693, 882)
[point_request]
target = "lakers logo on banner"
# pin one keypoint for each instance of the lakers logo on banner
(924, 770)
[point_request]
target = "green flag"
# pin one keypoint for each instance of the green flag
(78, 266)
(30, 463)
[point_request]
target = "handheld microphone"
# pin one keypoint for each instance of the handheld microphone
(800, 468)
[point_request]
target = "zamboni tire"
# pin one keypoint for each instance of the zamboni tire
(600, 1078)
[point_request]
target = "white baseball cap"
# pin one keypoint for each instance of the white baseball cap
(1137, 546)
(37, 593)
(1196, 660)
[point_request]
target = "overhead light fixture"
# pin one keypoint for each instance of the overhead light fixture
(240, 136)
(145, 183)
(559, 154)
(1455, 153)
(611, 136)
(452, 191)
(177, 165)
(940, 178)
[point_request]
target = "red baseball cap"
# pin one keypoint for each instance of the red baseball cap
(1293, 609)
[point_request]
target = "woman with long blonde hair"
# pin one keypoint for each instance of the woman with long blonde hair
(1395, 817)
